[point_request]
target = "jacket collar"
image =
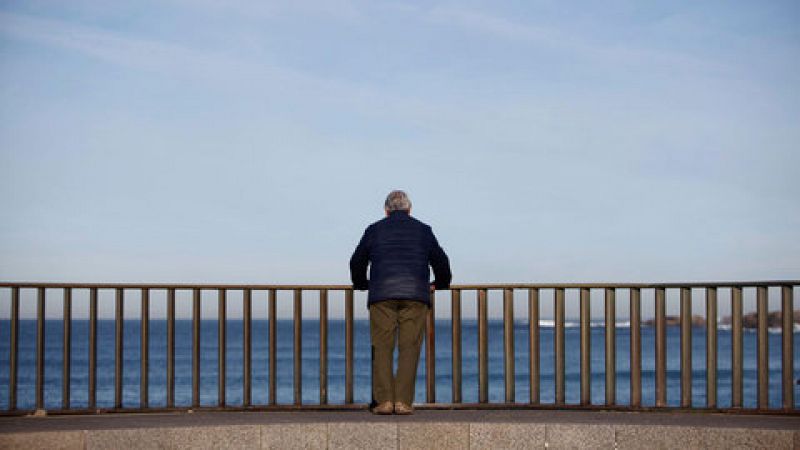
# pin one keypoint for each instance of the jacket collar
(398, 214)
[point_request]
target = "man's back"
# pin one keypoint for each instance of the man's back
(399, 248)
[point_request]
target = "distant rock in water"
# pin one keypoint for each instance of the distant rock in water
(697, 321)
(774, 319)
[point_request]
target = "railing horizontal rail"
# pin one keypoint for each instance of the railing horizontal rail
(570, 388)
(339, 287)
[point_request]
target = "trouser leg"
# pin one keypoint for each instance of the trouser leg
(382, 327)
(411, 325)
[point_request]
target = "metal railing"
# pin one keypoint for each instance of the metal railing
(482, 296)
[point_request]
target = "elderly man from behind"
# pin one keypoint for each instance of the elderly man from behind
(399, 250)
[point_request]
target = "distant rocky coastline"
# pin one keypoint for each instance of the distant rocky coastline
(774, 320)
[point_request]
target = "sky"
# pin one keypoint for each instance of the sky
(252, 142)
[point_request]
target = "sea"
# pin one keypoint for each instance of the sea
(362, 380)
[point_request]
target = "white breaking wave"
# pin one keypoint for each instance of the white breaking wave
(550, 323)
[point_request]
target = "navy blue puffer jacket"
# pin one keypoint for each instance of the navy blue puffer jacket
(399, 250)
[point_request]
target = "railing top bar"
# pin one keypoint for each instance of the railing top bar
(177, 286)
(688, 284)
(346, 287)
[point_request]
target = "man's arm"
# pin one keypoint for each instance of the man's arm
(441, 266)
(359, 262)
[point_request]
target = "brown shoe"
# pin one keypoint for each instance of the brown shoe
(402, 409)
(383, 409)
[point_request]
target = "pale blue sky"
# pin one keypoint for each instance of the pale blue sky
(232, 141)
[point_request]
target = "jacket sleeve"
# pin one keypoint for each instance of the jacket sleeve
(440, 264)
(359, 262)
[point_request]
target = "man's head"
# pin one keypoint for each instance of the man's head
(397, 201)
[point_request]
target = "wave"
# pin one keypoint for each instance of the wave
(550, 323)
(771, 330)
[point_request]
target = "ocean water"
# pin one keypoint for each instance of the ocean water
(336, 363)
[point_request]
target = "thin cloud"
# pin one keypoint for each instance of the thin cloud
(115, 48)
(493, 25)
(572, 44)
(330, 9)
(218, 69)
(166, 58)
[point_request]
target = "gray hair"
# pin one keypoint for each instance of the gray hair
(397, 201)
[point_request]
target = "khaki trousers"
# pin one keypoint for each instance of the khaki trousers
(389, 321)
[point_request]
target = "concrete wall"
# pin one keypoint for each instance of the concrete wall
(407, 435)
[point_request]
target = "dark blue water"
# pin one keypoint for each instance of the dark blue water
(336, 364)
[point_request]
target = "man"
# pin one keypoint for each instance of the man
(399, 249)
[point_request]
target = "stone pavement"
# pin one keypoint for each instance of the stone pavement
(427, 429)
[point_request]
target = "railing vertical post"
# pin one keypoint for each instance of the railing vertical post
(298, 347)
(508, 343)
(737, 346)
(222, 314)
(323, 346)
(483, 347)
(40, 322)
(13, 350)
(611, 346)
(558, 344)
(430, 351)
(247, 310)
(119, 320)
(170, 348)
(144, 351)
(92, 348)
(711, 347)
(533, 344)
(636, 346)
(455, 322)
(763, 348)
(196, 336)
(273, 348)
(787, 360)
(66, 374)
(686, 347)
(348, 346)
(586, 348)
(661, 347)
